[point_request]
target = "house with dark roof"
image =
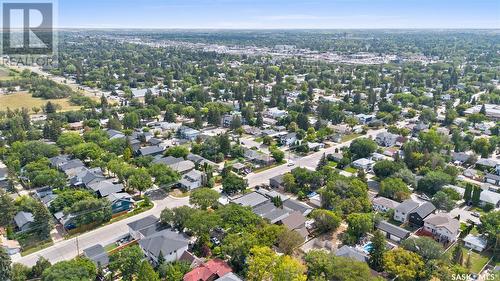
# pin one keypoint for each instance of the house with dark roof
(24, 221)
(97, 255)
(166, 242)
(276, 182)
(120, 202)
(393, 232)
(418, 215)
(105, 187)
(403, 210)
(492, 179)
(151, 150)
(135, 227)
(211, 270)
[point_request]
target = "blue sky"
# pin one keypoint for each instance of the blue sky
(257, 14)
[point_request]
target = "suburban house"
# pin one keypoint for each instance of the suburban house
(365, 118)
(386, 139)
(188, 133)
(211, 270)
(489, 197)
(151, 150)
(192, 180)
(4, 177)
(393, 232)
(166, 242)
(476, 243)
(24, 221)
(352, 253)
(417, 216)
(288, 139)
(12, 247)
(382, 204)
(120, 202)
(276, 182)
(135, 227)
(402, 211)
(443, 227)
(492, 178)
(105, 187)
(261, 204)
(296, 221)
(363, 163)
(97, 255)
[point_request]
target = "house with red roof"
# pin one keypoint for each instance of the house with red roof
(209, 271)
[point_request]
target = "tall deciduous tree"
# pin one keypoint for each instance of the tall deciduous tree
(407, 266)
(204, 198)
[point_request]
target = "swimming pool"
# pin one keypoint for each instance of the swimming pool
(368, 247)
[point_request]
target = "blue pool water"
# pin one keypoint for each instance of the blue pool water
(368, 246)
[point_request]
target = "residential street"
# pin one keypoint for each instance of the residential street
(67, 249)
(309, 161)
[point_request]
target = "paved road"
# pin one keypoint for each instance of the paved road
(310, 161)
(67, 249)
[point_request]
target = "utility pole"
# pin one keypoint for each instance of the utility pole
(77, 247)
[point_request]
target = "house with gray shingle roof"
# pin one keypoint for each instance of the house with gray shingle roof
(167, 242)
(24, 221)
(393, 232)
(442, 226)
(352, 253)
(418, 215)
(403, 210)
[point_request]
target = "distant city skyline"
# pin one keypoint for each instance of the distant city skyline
(279, 14)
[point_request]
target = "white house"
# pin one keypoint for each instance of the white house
(382, 204)
(477, 243)
(442, 226)
(192, 180)
(166, 242)
(363, 163)
(403, 210)
(490, 197)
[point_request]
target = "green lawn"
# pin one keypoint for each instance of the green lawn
(478, 261)
(40, 246)
(350, 137)
(351, 170)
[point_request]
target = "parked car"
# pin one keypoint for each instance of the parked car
(290, 163)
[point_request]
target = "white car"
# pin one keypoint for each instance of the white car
(290, 163)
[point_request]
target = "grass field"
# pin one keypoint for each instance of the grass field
(23, 99)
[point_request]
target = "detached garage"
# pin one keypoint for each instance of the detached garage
(393, 232)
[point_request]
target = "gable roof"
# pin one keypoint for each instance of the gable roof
(489, 197)
(210, 270)
(165, 241)
(294, 221)
(22, 218)
(425, 209)
(386, 202)
(350, 252)
(142, 223)
(105, 187)
(444, 220)
(251, 199)
(97, 254)
(407, 206)
(393, 229)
